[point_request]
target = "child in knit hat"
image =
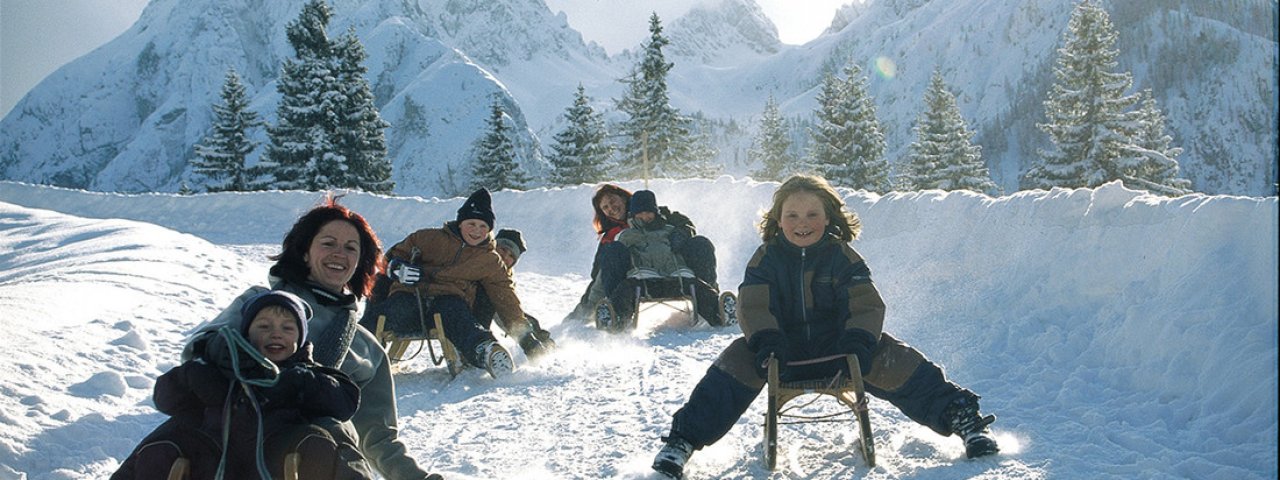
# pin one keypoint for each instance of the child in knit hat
(509, 244)
(440, 271)
(220, 404)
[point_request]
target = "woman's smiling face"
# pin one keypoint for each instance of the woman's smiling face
(613, 207)
(804, 220)
(334, 255)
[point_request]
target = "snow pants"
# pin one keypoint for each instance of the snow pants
(460, 326)
(899, 374)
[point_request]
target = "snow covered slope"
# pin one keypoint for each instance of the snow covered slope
(1115, 334)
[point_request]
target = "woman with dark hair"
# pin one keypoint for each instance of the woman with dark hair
(610, 204)
(330, 259)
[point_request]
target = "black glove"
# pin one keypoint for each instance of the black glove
(404, 273)
(860, 343)
(289, 386)
(215, 353)
(536, 343)
(769, 343)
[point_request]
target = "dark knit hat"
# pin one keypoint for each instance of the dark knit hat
(298, 307)
(643, 201)
(479, 206)
(512, 240)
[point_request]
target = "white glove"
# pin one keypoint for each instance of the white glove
(404, 273)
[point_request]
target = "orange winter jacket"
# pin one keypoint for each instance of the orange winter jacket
(451, 267)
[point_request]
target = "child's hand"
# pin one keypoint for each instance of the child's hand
(289, 386)
(769, 343)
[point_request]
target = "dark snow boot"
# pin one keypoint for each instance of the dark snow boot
(965, 421)
(671, 459)
(728, 309)
(606, 317)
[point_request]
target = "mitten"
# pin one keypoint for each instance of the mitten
(536, 343)
(768, 343)
(288, 387)
(216, 353)
(404, 273)
(860, 343)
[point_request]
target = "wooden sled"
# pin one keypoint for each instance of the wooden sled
(678, 293)
(181, 469)
(397, 345)
(849, 391)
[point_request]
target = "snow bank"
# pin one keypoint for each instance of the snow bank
(1115, 333)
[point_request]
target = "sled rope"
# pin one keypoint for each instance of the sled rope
(236, 343)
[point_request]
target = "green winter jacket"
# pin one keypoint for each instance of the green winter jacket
(374, 426)
(653, 245)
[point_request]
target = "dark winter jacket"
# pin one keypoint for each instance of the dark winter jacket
(375, 424)
(452, 267)
(205, 387)
(820, 299)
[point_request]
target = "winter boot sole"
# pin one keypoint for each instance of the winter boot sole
(728, 309)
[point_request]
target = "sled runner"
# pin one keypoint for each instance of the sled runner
(181, 469)
(849, 391)
(644, 290)
(397, 344)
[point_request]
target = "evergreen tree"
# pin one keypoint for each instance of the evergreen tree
(329, 133)
(848, 146)
(359, 139)
(1087, 109)
(771, 146)
(581, 154)
(1155, 157)
(656, 139)
(222, 153)
(942, 156)
(495, 164)
(299, 148)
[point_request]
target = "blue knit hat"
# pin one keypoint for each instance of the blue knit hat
(643, 201)
(298, 307)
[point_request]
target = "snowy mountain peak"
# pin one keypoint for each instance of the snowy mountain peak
(723, 34)
(499, 32)
(845, 15)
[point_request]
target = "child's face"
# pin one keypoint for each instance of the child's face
(274, 332)
(803, 219)
(473, 231)
(646, 217)
(507, 257)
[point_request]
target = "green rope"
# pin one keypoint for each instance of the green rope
(236, 343)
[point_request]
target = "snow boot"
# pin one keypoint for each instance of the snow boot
(496, 359)
(605, 316)
(728, 309)
(965, 421)
(671, 459)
